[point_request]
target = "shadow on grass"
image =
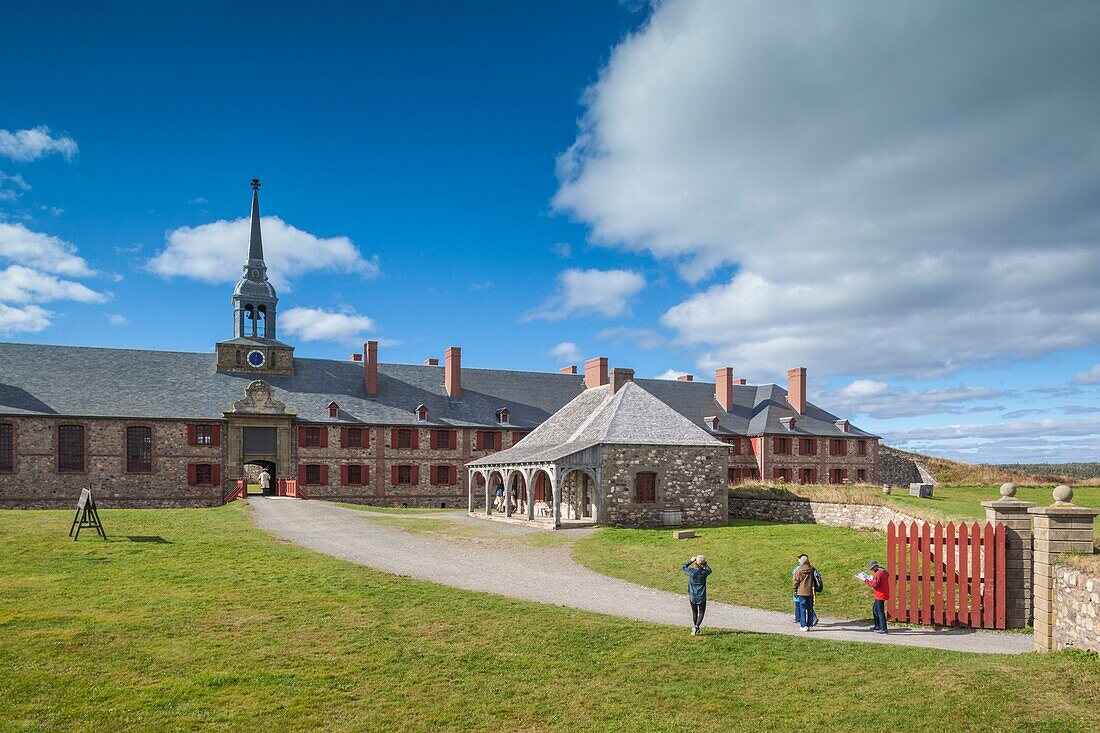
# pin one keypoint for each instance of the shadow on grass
(148, 538)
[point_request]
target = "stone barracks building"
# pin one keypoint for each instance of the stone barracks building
(156, 428)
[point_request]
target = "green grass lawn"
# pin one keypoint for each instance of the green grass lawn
(221, 627)
(752, 561)
(948, 502)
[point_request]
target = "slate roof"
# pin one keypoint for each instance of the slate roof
(631, 416)
(97, 382)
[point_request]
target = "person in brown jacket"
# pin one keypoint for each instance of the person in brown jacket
(804, 592)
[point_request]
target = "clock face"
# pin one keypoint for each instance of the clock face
(255, 274)
(256, 359)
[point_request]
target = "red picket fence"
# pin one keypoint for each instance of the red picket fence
(240, 491)
(947, 576)
(289, 487)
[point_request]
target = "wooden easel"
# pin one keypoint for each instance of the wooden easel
(86, 516)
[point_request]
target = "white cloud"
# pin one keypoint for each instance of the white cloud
(215, 252)
(879, 400)
(1089, 376)
(566, 352)
(590, 292)
(13, 191)
(33, 263)
(1010, 442)
(27, 145)
(671, 374)
(318, 324)
(883, 217)
(41, 251)
(116, 319)
(643, 338)
(27, 319)
(21, 285)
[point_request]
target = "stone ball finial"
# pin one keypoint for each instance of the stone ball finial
(1008, 490)
(1063, 494)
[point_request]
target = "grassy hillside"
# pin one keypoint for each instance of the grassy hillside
(1069, 470)
(973, 474)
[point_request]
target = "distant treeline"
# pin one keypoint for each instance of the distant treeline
(1075, 470)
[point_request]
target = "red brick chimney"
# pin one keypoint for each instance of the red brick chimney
(686, 378)
(619, 378)
(595, 372)
(796, 389)
(356, 357)
(723, 387)
(452, 371)
(571, 369)
(370, 368)
(431, 362)
(741, 381)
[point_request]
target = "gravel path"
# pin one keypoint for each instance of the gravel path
(549, 575)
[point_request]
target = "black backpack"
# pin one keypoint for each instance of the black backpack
(819, 584)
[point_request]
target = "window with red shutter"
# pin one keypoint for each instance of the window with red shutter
(313, 473)
(403, 439)
(355, 438)
(215, 434)
(403, 475)
(645, 487)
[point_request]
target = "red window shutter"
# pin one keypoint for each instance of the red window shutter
(215, 434)
(324, 437)
(191, 473)
(433, 439)
(415, 475)
(217, 474)
(344, 475)
(452, 441)
(454, 475)
(393, 475)
(498, 439)
(415, 441)
(301, 435)
(393, 441)
(324, 474)
(366, 474)
(301, 474)
(343, 437)
(191, 440)
(775, 445)
(432, 475)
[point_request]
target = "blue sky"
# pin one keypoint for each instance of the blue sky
(906, 208)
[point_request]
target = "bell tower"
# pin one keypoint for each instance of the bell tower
(254, 347)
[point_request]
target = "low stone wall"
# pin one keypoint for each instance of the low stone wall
(812, 512)
(1076, 610)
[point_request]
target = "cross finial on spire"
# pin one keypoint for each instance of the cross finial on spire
(255, 184)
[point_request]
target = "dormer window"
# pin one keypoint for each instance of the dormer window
(712, 422)
(421, 413)
(502, 416)
(788, 422)
(333, 409)
(843, 425)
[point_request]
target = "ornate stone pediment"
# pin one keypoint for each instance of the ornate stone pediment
(259, 397)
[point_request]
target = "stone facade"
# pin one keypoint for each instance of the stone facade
(689, 478)
(808, 459)
(232, 358)
(868, 516)
(1076, 610)
(36, 482)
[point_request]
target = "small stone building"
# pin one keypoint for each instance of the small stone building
(613, 455)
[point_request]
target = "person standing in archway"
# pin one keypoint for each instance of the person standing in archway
(697, 571)
(265, 482)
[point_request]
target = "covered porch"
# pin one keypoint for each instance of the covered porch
(555, 492)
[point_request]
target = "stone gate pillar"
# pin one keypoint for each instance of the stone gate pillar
(1058, 528)
(1012, 513)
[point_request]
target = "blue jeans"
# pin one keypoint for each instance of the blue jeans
(878, 610)
(804, 610)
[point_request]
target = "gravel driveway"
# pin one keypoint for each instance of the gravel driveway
(549, 575)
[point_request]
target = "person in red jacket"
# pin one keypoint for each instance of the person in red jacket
(880, 584)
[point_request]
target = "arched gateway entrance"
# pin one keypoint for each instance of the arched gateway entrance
(260, 435)
(252, 471)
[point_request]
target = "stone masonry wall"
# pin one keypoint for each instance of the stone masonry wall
(689, 478)
(806, 512)
(1076, 610)
(895, 469)
(37, 484)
